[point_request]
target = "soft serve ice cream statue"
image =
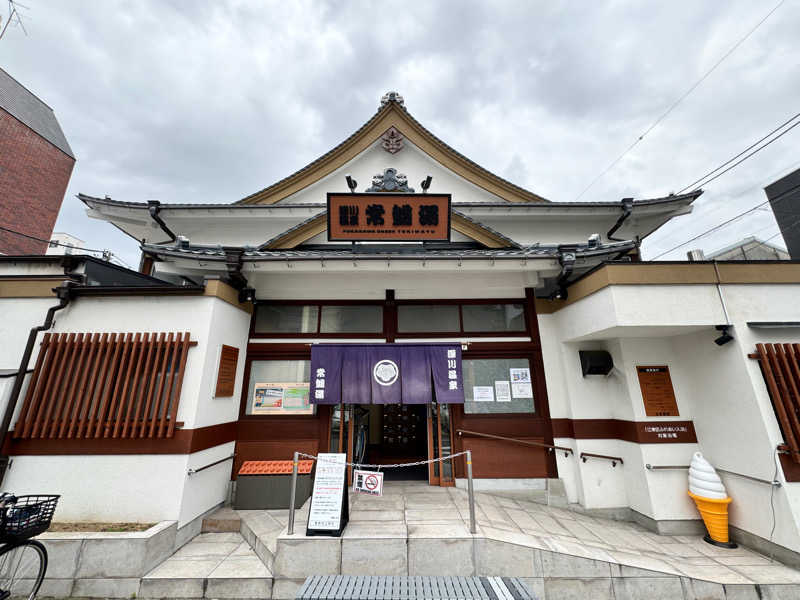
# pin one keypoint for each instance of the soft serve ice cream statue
(711, 499)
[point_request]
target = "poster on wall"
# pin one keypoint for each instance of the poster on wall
(520, 375)
(281, 398)
(657, 391)
(502, 391)
(482, 393)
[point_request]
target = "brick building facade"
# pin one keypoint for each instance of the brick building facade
(35, 167)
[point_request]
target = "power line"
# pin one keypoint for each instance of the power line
(53, 243)
(706, 181)
(723, 224)
(679, 100)
(769, 179)
(792, 226)
(782, 125)
(707, 231)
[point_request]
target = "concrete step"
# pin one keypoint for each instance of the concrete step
(224, 520)
(212, 565)
(261, 528)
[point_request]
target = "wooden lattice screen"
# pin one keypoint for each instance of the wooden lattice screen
(109, 385)
(780, 364)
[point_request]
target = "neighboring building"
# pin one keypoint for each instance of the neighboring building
(750, 248)
(35, 166)
(407, 321)
(64, 243)
(784, 197)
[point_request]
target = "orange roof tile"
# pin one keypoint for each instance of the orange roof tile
(274, 467)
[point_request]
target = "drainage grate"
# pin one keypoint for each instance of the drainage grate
(374, 587)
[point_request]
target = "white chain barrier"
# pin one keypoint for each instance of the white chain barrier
(389, 466)
(467, 453)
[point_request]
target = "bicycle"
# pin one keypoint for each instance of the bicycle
(23, 561)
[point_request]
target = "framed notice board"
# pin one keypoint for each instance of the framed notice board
(657, 391)
(226, 374)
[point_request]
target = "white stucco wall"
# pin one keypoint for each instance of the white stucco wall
(720, 389)
(139, 488)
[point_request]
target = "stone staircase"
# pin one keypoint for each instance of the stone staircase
(221, 562)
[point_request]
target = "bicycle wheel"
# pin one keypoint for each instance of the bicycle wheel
(22, 569)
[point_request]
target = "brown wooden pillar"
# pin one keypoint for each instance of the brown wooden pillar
(390, 317)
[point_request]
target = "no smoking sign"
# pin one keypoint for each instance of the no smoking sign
(368, 482)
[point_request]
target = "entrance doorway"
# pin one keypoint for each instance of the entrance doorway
(383, 434)
(397, 433)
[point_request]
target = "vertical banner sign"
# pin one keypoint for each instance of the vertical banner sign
(330, 509)
(368, 482)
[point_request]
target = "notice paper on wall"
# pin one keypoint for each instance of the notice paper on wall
(520, 375)
(329, 506)
(522, 390)
(502, 391)
(482, 393)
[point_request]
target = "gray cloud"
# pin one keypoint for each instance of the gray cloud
(210, 101)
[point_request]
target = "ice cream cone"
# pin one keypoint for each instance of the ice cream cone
(715, 516)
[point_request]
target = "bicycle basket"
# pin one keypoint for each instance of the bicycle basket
(30, 516)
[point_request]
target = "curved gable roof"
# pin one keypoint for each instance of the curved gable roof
(392, 114)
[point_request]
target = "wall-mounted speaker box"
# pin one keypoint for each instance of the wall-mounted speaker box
(595, 362)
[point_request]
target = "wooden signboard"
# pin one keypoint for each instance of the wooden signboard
(388, 217)
(657, 391)
(226, 374)
(330, 504)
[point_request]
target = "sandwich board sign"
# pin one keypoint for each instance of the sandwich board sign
(368, 482)
(330, 506)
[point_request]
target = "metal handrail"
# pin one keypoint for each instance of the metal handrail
(614, 459)
(567, 451)
(774, 482)
(191, 472)
(650, 467)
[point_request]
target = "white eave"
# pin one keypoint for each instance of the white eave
(252, 224)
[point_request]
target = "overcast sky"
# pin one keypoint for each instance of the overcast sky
(195, 101)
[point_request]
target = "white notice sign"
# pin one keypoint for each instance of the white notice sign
(329, 489)
(520, 375)
(482, 393)
(368, 482)
(522, 390)
(502, 390)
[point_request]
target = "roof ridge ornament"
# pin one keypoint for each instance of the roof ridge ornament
(392, 140)
(392, 97)
(390, 181)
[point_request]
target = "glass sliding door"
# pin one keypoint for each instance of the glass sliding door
(439, 445)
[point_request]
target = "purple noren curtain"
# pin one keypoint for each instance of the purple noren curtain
(386, 373)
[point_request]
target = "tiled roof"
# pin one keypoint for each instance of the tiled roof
(402, 252)
(456, 205)
(27, 108)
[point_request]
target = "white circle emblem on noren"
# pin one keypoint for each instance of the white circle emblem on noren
(385, 372)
